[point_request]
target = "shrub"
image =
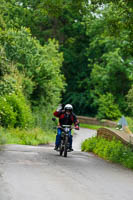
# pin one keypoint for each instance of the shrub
(22, 109)
(7, 115)
(41, 65)
(15, 112)
(130, 100)
(4, 64)
(107, 108)
(89, 144)
(113, 150)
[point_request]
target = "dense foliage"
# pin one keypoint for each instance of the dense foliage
(113, 150)
(110, 52)
(30, 77)
(87, 42)
(107, 108)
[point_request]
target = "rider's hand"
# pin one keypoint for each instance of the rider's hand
(77, 127)
(59, 108)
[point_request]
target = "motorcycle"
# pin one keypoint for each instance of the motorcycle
(64, 145)
(65, 135)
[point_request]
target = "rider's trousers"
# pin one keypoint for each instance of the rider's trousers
(58, 138)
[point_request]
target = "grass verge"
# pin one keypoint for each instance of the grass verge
(94, 127)
(113, 150)
(34, 136)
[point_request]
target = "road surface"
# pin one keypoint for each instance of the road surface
(39, 173)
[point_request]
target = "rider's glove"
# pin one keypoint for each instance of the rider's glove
(77, 127)
(59, 108)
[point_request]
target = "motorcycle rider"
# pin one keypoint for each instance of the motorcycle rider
(66, 117)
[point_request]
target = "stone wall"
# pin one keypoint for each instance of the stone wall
(94, 121)
(109, 133)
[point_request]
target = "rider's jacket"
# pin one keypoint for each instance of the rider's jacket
(65, 119)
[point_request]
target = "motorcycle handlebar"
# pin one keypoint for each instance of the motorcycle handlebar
(66, 126)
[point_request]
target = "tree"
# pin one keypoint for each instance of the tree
(107, 107)
(41, 64)
(95, 38)
(110, 59)
(130, 101)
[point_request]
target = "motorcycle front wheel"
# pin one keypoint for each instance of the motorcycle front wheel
(66, 146)
(61, 148)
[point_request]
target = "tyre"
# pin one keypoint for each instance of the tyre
(66, 146)
(61, 149)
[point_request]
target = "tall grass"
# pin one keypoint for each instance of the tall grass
(90, 126)
(34, 136)
(41, 133)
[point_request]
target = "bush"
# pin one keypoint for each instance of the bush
(41, 65)
(4, 64)
(20, 106)
(89, 144)
(107, 108)
(7, 115)
(113, 150)
(15, 112)
(130, 100)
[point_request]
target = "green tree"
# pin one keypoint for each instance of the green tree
(107, 107)
(130, 100)
(95, 38)
(58, 19)
(110, 58)
(40, 64)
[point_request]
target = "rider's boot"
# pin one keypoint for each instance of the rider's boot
(70, 149)
(56, 148)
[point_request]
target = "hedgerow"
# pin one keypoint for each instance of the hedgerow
(15, 112)
(114, 150)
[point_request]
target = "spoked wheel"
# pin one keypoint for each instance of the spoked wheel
(66, 146)
(61, 149)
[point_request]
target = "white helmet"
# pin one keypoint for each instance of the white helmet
(68, 107)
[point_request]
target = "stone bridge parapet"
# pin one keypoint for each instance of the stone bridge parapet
(95, 121)
(109, 133)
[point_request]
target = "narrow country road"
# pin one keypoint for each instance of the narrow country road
(39, 173)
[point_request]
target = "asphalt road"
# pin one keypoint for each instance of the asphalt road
(39, 173)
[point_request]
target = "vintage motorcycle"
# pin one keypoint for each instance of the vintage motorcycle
(64, 145)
